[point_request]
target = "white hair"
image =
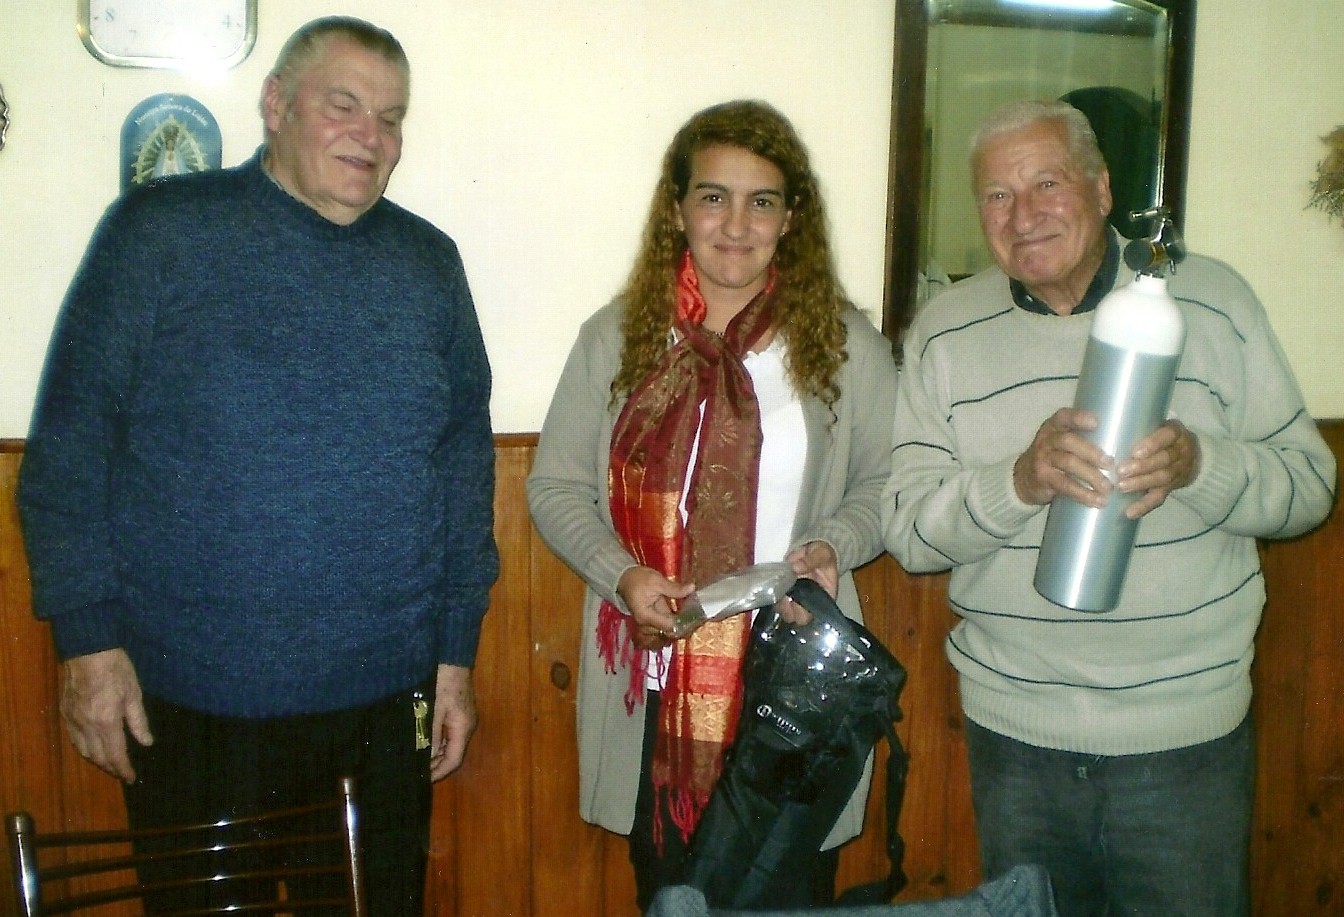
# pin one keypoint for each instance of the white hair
(1079, 136)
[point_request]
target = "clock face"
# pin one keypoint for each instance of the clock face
(169, 33)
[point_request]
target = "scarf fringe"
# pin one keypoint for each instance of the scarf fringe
(683, 806)
(616, 647)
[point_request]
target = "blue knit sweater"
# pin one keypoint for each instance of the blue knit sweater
(261, 460)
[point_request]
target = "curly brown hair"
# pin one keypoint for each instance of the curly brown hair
(809, 299)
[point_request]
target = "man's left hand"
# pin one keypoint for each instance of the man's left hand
(454, 720)
(1165, 460)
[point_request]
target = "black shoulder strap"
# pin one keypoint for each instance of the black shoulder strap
(817, 601)
(898, 765)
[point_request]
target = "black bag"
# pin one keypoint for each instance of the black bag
(816, 700)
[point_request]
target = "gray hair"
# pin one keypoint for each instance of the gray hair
(306, 45)
(1079, 137)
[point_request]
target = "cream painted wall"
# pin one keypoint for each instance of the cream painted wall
(1269, 83)
(537, 126)
(534, 139)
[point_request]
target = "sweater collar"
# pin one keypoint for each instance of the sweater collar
(273, 190)
(1102, 283)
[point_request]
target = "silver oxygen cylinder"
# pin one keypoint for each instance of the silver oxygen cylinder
(1129, 366)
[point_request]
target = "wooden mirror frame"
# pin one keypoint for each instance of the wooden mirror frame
(906, 172)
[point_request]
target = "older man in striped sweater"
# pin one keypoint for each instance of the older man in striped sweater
(1115, 749)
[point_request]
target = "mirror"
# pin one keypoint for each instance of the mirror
(1125, 63)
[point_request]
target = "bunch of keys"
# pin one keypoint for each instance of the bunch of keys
(420, 709)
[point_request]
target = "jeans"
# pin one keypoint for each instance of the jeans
(1160, 835)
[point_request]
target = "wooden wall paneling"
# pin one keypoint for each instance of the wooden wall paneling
(492, 813)
(1281, 645)
(1298, 843)
(618, 885)
(27, 678)
(913, 622)
(507, 839)
(39, 769)
(939, 809)
(567, 854)
(1322, 724)
(1321, 736)
(440, 884)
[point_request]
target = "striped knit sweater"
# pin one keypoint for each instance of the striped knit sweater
(1169, 667)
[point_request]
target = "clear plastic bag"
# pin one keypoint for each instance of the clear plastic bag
(747, 589)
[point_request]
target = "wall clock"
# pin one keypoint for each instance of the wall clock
(173, 34)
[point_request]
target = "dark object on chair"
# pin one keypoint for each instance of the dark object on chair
(817, 698)
(238, 863)
(1024, 891)
(1127, 128)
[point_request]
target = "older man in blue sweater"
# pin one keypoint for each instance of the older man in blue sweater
(257, 491)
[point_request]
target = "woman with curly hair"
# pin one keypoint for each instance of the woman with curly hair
(730, 407)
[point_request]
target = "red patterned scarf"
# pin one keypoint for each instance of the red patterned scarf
(650, 453)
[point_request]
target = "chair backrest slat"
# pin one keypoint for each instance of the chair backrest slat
(225, 856)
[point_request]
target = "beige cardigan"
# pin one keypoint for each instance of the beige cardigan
(848, 463)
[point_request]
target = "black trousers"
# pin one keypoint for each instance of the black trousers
(203, 767)
(814, 880)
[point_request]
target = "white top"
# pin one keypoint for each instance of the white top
(780, 482)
